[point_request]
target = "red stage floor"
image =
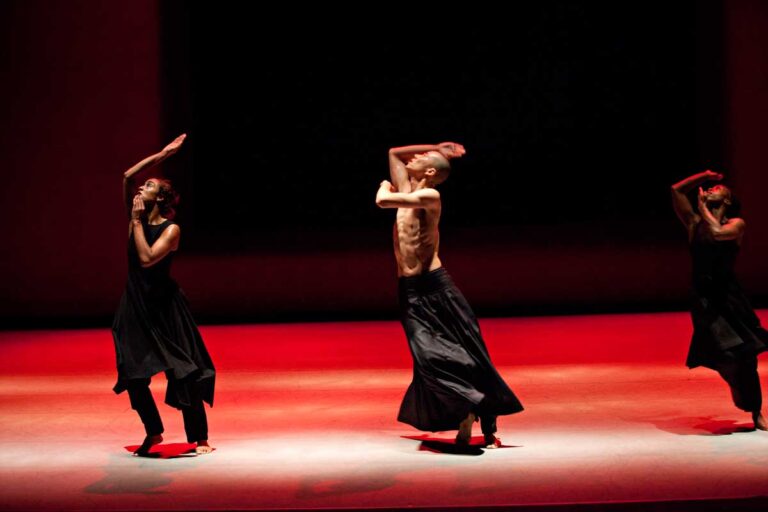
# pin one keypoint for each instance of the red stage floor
(305, 418)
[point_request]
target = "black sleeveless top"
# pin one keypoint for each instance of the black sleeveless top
(155, 282)
(713, 262)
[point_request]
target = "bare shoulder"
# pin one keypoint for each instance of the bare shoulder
(738, 224)
(429, 194)
(737, 221)
(172, 231)
(172, 235)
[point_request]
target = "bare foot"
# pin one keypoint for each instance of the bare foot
(492, 442)
(149, 442)
(759, 419)
(203, 447)
(465, 430)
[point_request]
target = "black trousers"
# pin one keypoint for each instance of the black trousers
(142, 401)
(741, 376)
(487, 418)
(488, 424)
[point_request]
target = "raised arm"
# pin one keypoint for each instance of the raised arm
(680, 190)
(387, 197)
(398, 157)
(147, 163)
(168, 241)
(731, 230)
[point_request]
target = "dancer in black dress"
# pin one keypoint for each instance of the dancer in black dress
(153, 329)
(454, 382)
(727, 336)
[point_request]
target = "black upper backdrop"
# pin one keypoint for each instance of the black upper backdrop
(569, 112)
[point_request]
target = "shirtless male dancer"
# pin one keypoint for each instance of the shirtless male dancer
(454, 382)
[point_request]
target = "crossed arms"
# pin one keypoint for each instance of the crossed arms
(398, 193)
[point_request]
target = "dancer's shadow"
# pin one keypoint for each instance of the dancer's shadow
(125, 474)
(345, 485)
(700, 426)
(434, 444)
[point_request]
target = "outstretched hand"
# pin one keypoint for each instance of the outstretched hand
(451, 149)
(174, 146)
(138, 207)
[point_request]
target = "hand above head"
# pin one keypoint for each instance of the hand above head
(174, 146)
(138, 207)
(715, 176)
(451, 149)
(143, 165)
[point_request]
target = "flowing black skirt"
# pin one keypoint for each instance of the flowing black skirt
(154, 332)
(725, 327)
(452, 371)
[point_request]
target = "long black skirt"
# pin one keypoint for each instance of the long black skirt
(452, 371)
(725, 327)
(154, 332)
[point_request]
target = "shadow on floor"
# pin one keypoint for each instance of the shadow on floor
(435, 444)
(700, 426)
(127, 475)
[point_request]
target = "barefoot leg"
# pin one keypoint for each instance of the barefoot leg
(759, 419)
(203, 447)
(465, 429)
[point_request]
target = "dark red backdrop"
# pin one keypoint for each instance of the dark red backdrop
(82, 99)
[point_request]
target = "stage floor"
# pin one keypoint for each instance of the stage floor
(305, 418)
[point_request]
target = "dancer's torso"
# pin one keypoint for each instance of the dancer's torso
(158, 274)
(713, 261)
(416, 240)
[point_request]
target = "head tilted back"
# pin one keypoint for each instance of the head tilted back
(167, 197)
(442, 167)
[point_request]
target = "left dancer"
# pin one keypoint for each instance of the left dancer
(153, 329)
